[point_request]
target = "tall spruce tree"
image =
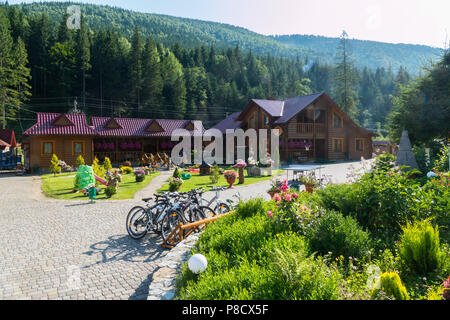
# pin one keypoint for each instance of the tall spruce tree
(152, 82)
(135, 68)
(345, 78)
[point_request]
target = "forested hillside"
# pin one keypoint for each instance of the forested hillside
(113, 72)
(191, 33)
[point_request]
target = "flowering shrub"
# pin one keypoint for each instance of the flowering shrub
(110, 191)
(64, 166)
(240, 164)
(278, 186)
(126, 169)
(446, 291)
(113, 178)
(175, 184)
(229, 174)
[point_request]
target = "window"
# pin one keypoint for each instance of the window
(251, 121)
(359, 145)
(266, 120)
(338, 144)
(47, 148)
(337, 121)
(77, 147)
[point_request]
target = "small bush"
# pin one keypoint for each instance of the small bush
(107, 164)
(391, 284)
(339, 235)
(98, 170)
(127, 170)
(176, 173)
(54, 165)
(215, 174)
(298, 277)
(79, 161)
(337, 197)
(252, 208)
(419, 247)
(110, 191)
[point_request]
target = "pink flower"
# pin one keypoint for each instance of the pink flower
(287, 197)
(295, 195)
(284, 187)
(277, 197)
(303, 208)
(270, 213)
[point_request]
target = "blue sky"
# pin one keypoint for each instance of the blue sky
(397, 21)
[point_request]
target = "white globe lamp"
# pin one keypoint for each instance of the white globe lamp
(197, 263)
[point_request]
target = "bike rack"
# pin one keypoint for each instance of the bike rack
(179, 233)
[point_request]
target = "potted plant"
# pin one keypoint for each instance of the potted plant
(230, 176)
(240, 164)
(175, 184)
(277, 186)
(139, 175)
(310, 181)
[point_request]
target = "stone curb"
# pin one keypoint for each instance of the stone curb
(162, 285)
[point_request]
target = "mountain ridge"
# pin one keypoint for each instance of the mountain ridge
(194, 32)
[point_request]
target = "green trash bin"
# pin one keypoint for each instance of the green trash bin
(185, 176)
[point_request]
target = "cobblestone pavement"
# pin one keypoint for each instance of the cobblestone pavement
(53, 249)
(70, 249)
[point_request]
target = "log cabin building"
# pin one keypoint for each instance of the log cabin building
(312, 127)
(120, 139)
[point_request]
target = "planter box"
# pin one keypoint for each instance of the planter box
(259, 172)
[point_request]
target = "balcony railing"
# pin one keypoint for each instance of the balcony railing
(310, 128)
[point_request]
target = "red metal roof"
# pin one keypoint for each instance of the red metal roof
(44, 125)
(136, 127)
(8, 137)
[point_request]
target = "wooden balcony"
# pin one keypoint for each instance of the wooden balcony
(311, 128)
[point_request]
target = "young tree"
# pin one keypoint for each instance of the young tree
(107, 164)
(79, 161)
(54, 165)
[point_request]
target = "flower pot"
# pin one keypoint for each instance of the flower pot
(309, 188)
(271, 194)
(231, 181)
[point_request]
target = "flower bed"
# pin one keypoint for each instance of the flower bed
(337, 243)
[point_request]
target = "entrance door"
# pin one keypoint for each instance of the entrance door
(320, 149)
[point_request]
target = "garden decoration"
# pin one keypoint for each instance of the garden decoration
(230, 176)
(175, 184)
(185, 176)
(205, 169)
(310, 181)
(241, 164)
(84, 177)
(405, 155)
(92, 192)
(197, 263)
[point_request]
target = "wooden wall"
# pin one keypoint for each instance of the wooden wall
(63, 149)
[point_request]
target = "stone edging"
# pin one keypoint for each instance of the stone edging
(162, 284)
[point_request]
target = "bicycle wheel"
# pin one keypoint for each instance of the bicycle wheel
(207, 212)
(170, 221)
(222, 208)
(197, 215)
(137, 220)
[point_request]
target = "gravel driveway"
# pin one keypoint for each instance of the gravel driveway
(56, 249)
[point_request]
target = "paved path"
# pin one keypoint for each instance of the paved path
(56, 249)
(70, 249)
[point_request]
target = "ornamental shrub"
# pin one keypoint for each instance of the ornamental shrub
(215, 174)
(79, 161)
(419, 247)
(110, 191)
(54, 165)
(107, 164)
(176, 173)
(127, 170)
(98, 170)
(391, 284)
(339, 235)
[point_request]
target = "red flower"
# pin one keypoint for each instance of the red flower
(295, 195)
(270, 213)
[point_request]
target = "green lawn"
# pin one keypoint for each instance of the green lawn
(198, 181)
(61, 187)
